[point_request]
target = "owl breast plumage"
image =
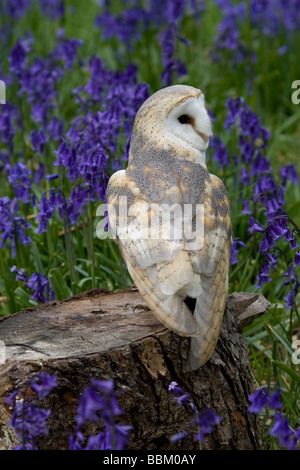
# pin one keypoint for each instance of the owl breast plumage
(171, 219)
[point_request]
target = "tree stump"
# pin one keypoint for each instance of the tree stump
(100, 334)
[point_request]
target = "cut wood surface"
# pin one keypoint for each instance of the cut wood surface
(103, 335)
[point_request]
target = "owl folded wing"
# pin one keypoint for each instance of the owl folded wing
(166, 270)
(148, 252)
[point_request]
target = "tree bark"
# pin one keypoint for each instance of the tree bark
(103, 335)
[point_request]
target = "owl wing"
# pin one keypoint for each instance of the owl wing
(212, 263)
(158, 267)
(166, 271)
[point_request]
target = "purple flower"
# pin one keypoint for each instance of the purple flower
(297, 258)
(263, 399)
(126, 26)
(50, 201)
(8, 124)
(288, 173)
(254, 226)
(38, 81)
(235, 250)
(43, 383)
(19, 178)
(181, 397)
(173, 387)
(16, 8)
(93, 135)
(246, 209)
(38, 138)
(39, 174)
(52, 177)
(172, 65)
(99, 400)
(67, 51)
(259, 400)
(29, 421)
(293, 444)
(40, 286)
(281, 430)
(38, 283)
(274, 400)
(55, 9)
(18, 55)
(56, 128)
(12, 225)
(206, 420)
(20, 274)
(220, 155)
(292, 293)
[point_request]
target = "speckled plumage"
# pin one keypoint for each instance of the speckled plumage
(167, 166)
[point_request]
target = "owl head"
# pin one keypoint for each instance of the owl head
(174, 119)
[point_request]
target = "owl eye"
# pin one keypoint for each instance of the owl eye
(184, 119)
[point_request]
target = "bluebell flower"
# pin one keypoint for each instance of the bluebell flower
(56, 128)
(99, 400)
(37, 283)
(206, 420)
(20, 274)
(40, 286)
(67, 51)
(43, 383)
(172, 66)
(12, 225)
(51, 201)
(39, 173)
(246, 209)
(259, 400)
(293, 443)
(289, 173)
(54, 9)
(18, 55)
(263, 276)
(93, 136)
(235, 250)
(220, 152)
(16, 8)
(8, 124)
(38, 139)
(181, 396)
(127, 26)
(281, 430)
(29, 421)
(20, 178)
(275, 400)
(297, 258)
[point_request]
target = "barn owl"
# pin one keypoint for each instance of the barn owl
(181, 274)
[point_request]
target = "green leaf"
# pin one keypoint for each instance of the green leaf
(23, 295)
(288, 370)
(280, 337)
(59, 284)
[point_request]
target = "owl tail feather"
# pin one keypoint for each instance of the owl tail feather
(209, 318)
